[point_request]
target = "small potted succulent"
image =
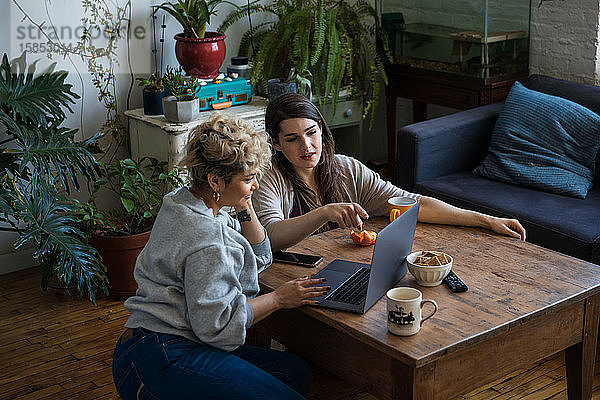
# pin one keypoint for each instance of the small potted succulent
(182, 105)
(153, 93)
(279, 86)
(295, 82)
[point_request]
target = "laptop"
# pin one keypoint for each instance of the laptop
(357, 286)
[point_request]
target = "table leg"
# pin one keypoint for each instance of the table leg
(411, 383)
(424, 388)
(390, 107)
(580, 358)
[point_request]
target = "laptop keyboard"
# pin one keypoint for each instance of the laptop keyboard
(354, 290)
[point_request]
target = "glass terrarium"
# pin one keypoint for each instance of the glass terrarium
(479, 38)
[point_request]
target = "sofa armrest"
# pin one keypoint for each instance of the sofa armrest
(444, 145)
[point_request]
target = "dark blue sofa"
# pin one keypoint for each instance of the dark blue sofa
(436, 157)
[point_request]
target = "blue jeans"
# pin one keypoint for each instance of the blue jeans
(153, 365)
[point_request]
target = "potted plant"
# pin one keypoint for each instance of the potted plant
(40, 160)
(278, 86)
(120, 234)
(326, 41)
(295, 82)
(182, 105)
(200, 53)
(153, 93)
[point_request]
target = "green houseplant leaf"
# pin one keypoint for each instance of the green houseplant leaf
(52, 225)
(38, 157)
(193, 15)
(53, 152)
(139, 185)
(35, 98)
(178, 85)
(330, 40)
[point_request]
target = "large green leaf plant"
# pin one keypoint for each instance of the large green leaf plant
(330, 42)
(193, 15)
(40, 162)
(140, 187)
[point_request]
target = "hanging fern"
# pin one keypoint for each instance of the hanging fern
(255, 8)
(257, 34)
(334, 50)
(319, 32)
(330, 40)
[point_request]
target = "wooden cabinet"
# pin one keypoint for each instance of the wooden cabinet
(346, 126)
(154, 136)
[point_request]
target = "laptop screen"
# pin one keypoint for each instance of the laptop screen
(393, 244)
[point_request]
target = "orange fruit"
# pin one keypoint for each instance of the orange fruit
(363, 238)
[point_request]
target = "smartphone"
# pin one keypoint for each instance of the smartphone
(307, 260)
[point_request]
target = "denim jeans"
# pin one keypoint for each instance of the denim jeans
(152, 365)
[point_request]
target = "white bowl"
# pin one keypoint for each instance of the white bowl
(428, 275)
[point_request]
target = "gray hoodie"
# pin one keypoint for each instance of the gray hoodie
(196, 274)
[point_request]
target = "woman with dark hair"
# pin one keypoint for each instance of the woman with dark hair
(198, 285)
(309, 188)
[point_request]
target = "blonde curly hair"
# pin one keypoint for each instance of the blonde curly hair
(225, 147)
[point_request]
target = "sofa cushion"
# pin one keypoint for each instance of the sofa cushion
(581, 93)
(544, 142)
(586, 95)
(562, 223)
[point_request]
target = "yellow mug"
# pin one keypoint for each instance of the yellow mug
(398, 205)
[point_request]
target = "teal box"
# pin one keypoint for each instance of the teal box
(221, 94)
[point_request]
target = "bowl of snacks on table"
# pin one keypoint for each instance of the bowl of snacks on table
(429, 267)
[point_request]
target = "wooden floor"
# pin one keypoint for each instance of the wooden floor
(55, 346)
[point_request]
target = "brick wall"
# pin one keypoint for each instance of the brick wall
(564, 39)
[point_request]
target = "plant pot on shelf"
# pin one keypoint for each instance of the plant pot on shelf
(201, 57)
(153, 102)
(279, 86)
(119, 254)
(181, 110)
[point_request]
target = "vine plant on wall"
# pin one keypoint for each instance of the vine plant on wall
(102, 61)
(110, 19)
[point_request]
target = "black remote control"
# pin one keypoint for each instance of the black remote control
(454, 283)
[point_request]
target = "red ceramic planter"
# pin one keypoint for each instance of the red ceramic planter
(201, 57)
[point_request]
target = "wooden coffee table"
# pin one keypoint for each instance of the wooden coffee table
(524, 303)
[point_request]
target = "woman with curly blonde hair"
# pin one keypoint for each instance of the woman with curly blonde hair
(198, 284)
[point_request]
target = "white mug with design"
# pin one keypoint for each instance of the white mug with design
(404, 310)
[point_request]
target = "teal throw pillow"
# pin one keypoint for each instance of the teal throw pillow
(543, 142)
